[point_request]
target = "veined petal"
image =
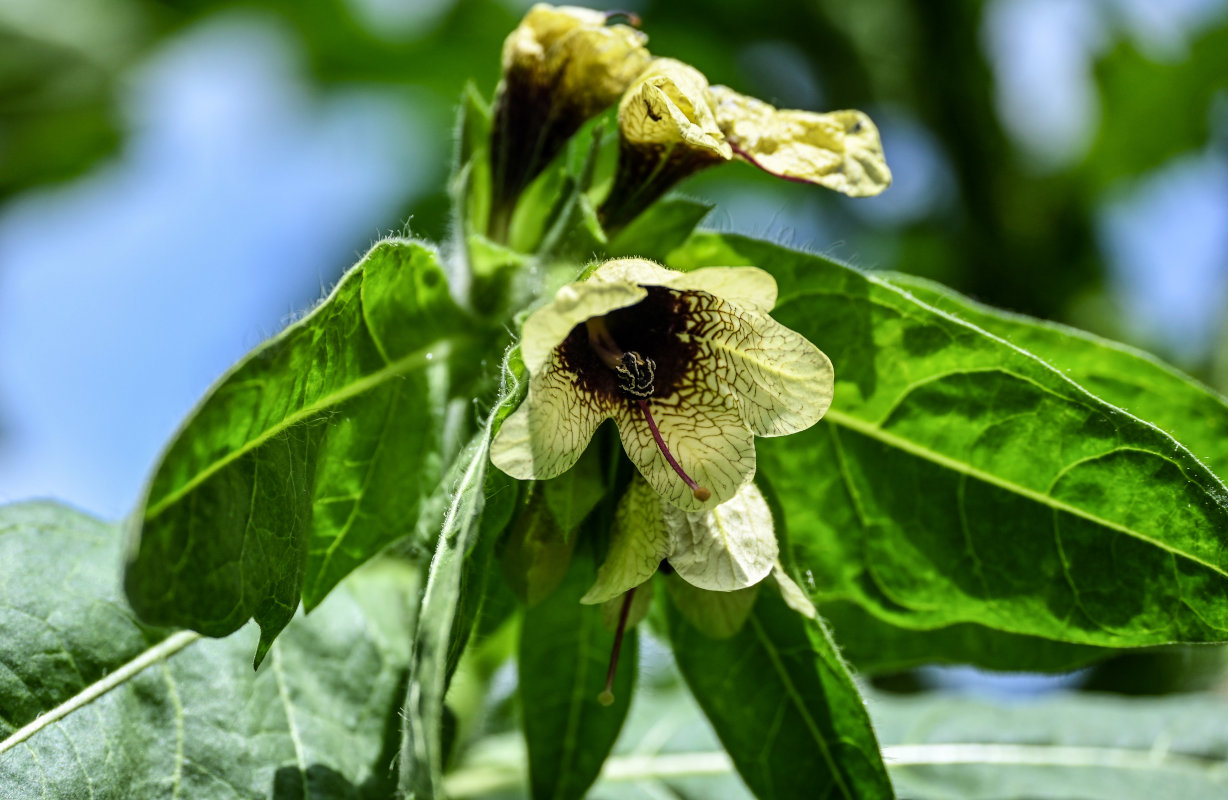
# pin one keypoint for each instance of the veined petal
(744, 286)
(549, 325)
(639, 541)
(726, 548)
(548, 433)
(703, 429)
(784, 384)
(668, 105)
(840, 149)
(595, 65)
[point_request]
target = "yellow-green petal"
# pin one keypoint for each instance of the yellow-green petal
(703, 429)
(792, 594)
(840, 149)
(668, 106)
(548, 326)
(639, 542)
(726, 548)
(547, 434)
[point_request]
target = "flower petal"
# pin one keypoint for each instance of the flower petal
(703, 429)
(729, 547)
(548, 433)
(840, 150)
(639, 542)
(548, 326)
(783, 383)
(595, 65)
(738, 285)
(718, 615)
(668, 105)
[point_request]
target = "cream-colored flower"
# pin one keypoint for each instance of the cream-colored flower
(840, 149)
(689, 365)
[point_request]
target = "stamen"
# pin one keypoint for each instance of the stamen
(602, 342)
(701, 493)
(607, 697)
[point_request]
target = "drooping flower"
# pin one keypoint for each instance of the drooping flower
(561, 66)
(714, 562)
(672, 124)
(689, 365)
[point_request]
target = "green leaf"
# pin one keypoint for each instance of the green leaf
(783, 705)
(1094, 747)
(664, 226)
(873, 646)
(564, 653)
(958, 478)
(93, 702)
(433, 654)
(1128, 378)
(307, 458)
(574, 494)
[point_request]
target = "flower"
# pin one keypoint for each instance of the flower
(561, 66)
(671, 124)
(667, 131)
(688, 364)
(714, 562)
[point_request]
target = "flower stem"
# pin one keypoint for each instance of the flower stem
(701, 492)
(607, 697)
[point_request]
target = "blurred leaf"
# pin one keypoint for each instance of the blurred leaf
(433, 657)
(308, 458)
(118, 709)
(783, 704)
(1130, 379)
(564, 652)
(1094, 747)
(959, 479)
(1152, 110)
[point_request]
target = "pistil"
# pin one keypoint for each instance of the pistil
(607, 697)
(701, 493)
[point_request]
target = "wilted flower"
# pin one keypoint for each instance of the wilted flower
(667, 131)
(688, 364)
(672, 124)
(561, 66)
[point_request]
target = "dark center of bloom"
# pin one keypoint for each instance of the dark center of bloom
(634, 354)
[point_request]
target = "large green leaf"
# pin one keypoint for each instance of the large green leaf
(309, 457)
(92, 704)
(1128, 378)
(1094, 747)
(874, 646)
(783, 705)
(564, 651)
(451, 599)
(958, 478)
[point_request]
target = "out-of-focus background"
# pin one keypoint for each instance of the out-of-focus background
(179, 177)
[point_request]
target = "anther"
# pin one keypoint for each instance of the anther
(607, 697)
(701, 493)
(638, 374)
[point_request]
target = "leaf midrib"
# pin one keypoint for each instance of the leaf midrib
(414, 360)
(876, 432)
